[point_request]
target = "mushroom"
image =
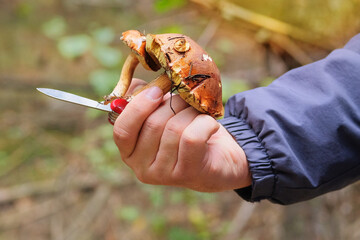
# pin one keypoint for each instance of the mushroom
(188, 69)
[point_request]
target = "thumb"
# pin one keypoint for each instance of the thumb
(128, 125)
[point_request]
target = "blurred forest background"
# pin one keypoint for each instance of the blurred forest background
(61, 176)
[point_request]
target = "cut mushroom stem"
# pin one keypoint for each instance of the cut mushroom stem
(127, 73)
(162, 81)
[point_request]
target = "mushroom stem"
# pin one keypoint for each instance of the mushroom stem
(162, 81)
(126, 75)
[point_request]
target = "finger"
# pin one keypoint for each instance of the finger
(169, 95)
(193, 145)
(149, 139)
(130, 121)
(168, 150)
(135, 85)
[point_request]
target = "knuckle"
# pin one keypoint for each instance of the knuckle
(178, 177)
(189, 138)
(152, 124)
(205, 117)
(141, 176)
(160, 175)
(120, 134)
(136, 107)
(183, 178)
(208, 120)
(147, 177)
(173, 128)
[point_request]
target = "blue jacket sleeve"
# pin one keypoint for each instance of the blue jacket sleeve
(301, 134)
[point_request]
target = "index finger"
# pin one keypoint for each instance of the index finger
(128, 125)
(135, 85)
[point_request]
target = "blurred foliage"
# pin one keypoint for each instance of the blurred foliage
(74, 45)
(231, 87)
(176, 233)
(55, 27)
(98, 43)
(128, 213)
(329, 17)
(162, 6)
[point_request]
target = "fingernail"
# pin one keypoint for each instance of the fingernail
(154, 93)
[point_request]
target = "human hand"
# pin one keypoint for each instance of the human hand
(188, 149)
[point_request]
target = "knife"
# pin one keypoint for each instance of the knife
(75, 99)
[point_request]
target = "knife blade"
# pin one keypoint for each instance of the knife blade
(75, 99)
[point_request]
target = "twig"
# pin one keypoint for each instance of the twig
(93, 3)
(208, 32)
(79, 227)
(57, 220)
(291, 48)
(48, 187)
(56, 224)
(240, 220)
(40, 188)
(14, 219)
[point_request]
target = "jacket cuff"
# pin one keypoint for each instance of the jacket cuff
(260, 166)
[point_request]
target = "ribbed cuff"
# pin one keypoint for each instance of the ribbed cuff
(263, 176)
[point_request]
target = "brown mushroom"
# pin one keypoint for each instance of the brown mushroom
(188, 69)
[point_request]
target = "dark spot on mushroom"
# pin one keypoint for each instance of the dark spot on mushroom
(168, 57)
(196, 77)
(172, 38)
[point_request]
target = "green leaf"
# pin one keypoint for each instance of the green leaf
(177, 197)
(96, 157)
(177, 233)
(110, 148)
(103, 81)
(24, 9)
(157, 197)
(158, 224)
(54, 28)
(3, 159)
(107, 56)
(128, 213)
(171, 29)
(104, 35)
(74, 46)
(162, 6)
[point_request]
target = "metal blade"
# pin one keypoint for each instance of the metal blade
(72, 98)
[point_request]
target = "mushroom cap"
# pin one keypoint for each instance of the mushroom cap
(191, 69)
(136, 41)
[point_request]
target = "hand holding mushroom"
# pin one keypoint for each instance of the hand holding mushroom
(189, 149)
